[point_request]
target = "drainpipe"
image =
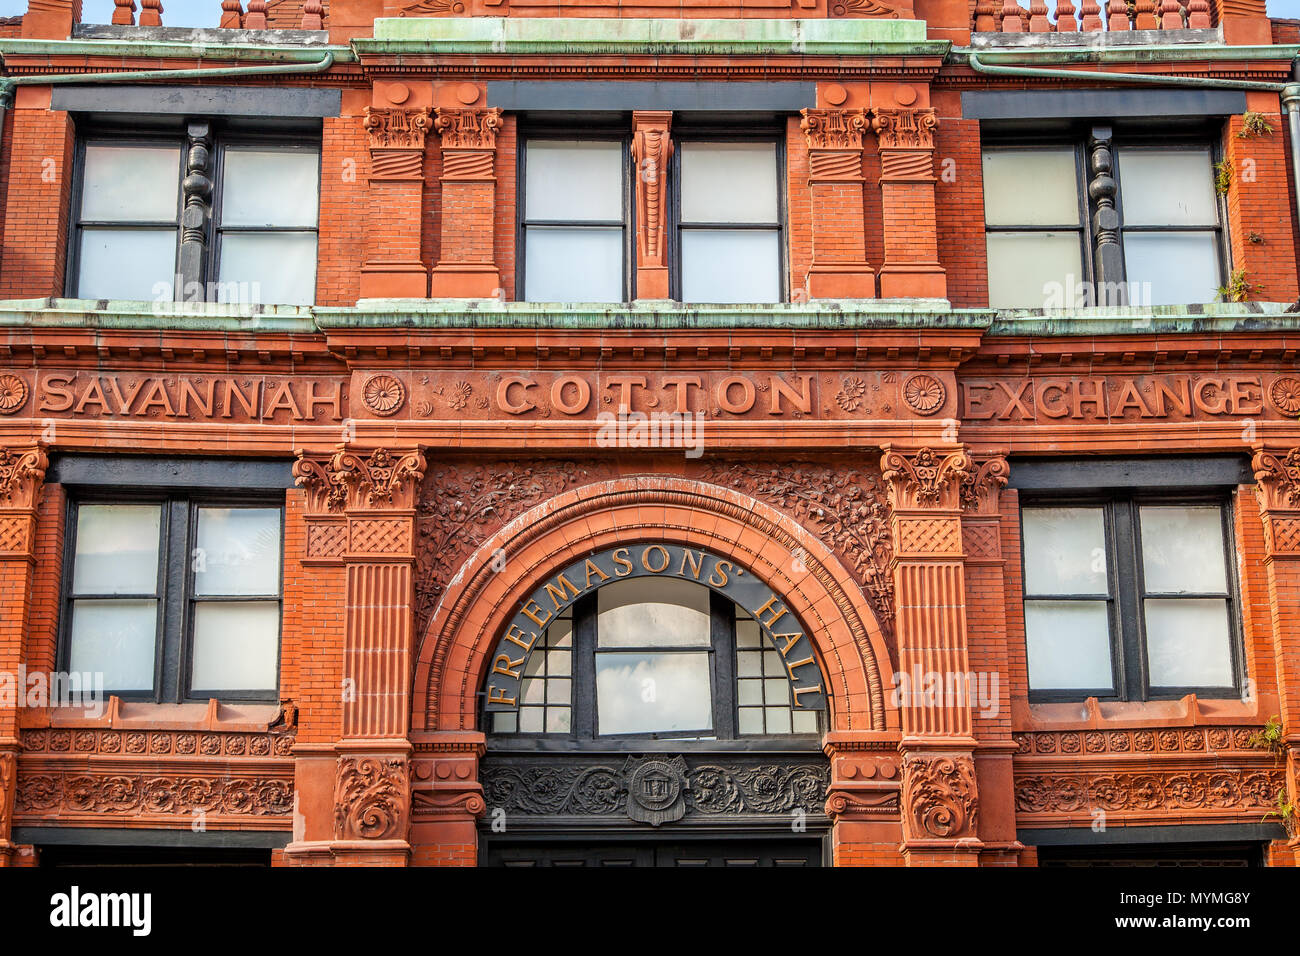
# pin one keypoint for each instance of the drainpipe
(1289, 92)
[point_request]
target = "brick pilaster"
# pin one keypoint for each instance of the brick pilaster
(467, 265)
(393, 268)
(911, 267)
(839, 256)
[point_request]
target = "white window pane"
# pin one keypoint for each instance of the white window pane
(778, 720)
(749, 692)
(728, 182)
(805, 721)
(751, 720)
(1031, 187)
(532, 691)
(1065, 551)
(1187, 642)
(115, 638)
(749, 664)
(569, 180)
(236, 645)
(747, 635)
(1171, 268)
(653, 612)
(530, 720)
(1182, 549)
(505, 723)
(127, 264)
(573, 264)
(272, 268)
(131, 183)
(117, 549)
(1167, 187)
(1068, 644)
(237, 551)
(647, 693)
(1027, 269)
(720, 266)
(557, 720)
(270, 187)
(558, 691)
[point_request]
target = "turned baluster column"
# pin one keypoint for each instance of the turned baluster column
(839, 252)
(124, 12)
(1108, 261)
(22, 473)
(255, 19)
(313, 15)
(151, 13)
(940, 800)
(232, 15)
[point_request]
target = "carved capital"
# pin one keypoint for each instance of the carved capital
(22, 473)
(652, 147)
(940, 799)
(1278, 479)
(396, 128)
(348, 480)
(372, 798)
(981, 486)
(905, 128)
(925, 479)
(467, 128)
(834, 129)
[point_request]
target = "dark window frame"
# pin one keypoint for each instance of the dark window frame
(1127, 593)
(584, 731)
(597, 133)
(1076, 136)
(223, 135)
(174, 638)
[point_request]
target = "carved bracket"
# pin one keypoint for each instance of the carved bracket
(652, 147)
(372, 798)
(939, 796)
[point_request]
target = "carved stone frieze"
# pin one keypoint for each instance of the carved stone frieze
(1155, 740)
(372, 798)
(1211, 789)
(171, 743)
(939, 796)
(130, 794)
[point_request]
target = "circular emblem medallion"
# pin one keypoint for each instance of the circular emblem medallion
(383, 394)
(1285, 396)
(13, 394)
(925, 394)
(655, 785)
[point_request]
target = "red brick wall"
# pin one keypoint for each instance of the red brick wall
(959, 202)
(35, 231)
(1256, 207)
(798, 209)
(507, 165)
(344, 210)
(43, 627)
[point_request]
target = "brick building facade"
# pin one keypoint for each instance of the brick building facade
(457, 432)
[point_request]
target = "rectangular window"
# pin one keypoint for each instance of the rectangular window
(1040, 219)
(1129, 599)
(722, 205)
(575, 221)
(261, 237)
(175, 599)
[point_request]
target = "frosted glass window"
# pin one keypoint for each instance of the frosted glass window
(117, 549)
(237, 551)
(729, 266)
(273, 268)
(1029, 269)
(1172, 268)
(1068, 645)
(653, 612)
(653, 693)
(1188, 642)
(1167, 187)
(270, 187)
(1182, 550)
(1031, 187)
(130, 184)
(574, 181)
(136, 264)
(115, 639)
(573, 264)
(728, 182)
(236, 645)
(1065, 551)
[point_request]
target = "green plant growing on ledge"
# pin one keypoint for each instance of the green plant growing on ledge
(1237, 289)
(1269, 738)
(1254, 124)
(1223, 177)
(1286, 813)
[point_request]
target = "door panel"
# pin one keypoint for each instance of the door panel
(683, 853)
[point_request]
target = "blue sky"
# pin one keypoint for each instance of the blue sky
(206, 13)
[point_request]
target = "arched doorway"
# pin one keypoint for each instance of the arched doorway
(727, 767)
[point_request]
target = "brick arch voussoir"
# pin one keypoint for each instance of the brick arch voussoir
(453, 654)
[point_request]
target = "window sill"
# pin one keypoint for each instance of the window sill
(1092, 714)
(135, 715)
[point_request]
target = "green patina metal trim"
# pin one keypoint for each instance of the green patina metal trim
(1214, 318)
(1167, 53)
(842, 37)
(146, 316)
(171, 49)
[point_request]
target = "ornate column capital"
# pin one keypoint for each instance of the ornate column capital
(834, 140)
(396, 138)
(469, 142)
(906, 138)
(982, 485)
(864, 775)
(1277, 474)
(357, 480)
(925, 479)
(22, 473)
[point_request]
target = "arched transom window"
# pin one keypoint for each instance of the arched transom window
(664, 642)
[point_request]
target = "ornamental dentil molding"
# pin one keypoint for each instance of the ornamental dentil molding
(351, 480)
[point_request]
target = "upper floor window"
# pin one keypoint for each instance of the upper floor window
(656, 657)
(261, 237)
(175, 598)
(1129, 598)
(1042, 219)
(724, 209)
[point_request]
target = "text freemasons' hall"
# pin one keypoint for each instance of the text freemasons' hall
(719, 432)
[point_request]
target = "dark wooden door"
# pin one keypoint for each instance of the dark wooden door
(685, 853)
